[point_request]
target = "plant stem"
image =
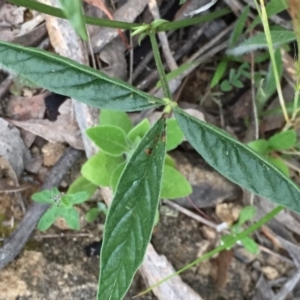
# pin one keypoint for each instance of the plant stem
(225, 246)
(56, 12)
(159, 65)
(296, 98)
(192, 21)
(264, 18)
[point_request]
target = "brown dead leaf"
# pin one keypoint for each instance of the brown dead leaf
(101, 5)
(52, 153)
(270, 272)
(64, 129)
(11, 17)
(113, 54)
(26, 108)
(13, 28)
(228, 212)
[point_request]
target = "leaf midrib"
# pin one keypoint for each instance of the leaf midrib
(139, 191)
(38, 54)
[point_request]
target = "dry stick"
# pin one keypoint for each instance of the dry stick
(276, 19)
(14, 244)
(235, 6)
(5, 85)
(57, 236)
(254, 106)
(288, 287)
(131, 58)
(163, 37)
(190, 214)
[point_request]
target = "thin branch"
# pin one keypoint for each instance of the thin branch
(163, 37)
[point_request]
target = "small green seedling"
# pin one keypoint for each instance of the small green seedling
(235, 78)
(246, 214)
(61, 205)
(94, 212)
(117, 139)
(270, 149)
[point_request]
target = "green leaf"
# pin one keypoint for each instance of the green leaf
(139, 130)
(169, 161)
(273, 7)
(102, 207)
(246, 214)
(158, 22)
(49, 217)
(225, 86)
(182, 2)
(78, 198)
(279, 164)
(74, 13)
(174, 184)
(81, 184)
(227, 238)
(98, 168)
(260, 146)
(119, 119)
(140, 29)
(174, 134)
(258, 41)
(92, 214)
(283, 140)
(116, 175)
(250, 245)
(53, 11)
(67, 77)
(174, 73)
(131, 216)
(219, 73)
(237, 83)
(238, 28)
(237, 162)
(45, 196)
(71, 216)
(110, 139)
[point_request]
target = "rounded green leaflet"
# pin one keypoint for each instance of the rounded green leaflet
(81, 184)
(92, 214)
(78, 197)
(98, 168)
(115, 118)
(49, 217)
(260, 146)
(116, 175)
(46, 196)
(283, 140)
(169, 161)
(139, 130)
(174, 184)
(174, 134)
(279, 164)
(71, 215)
(110, 139)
